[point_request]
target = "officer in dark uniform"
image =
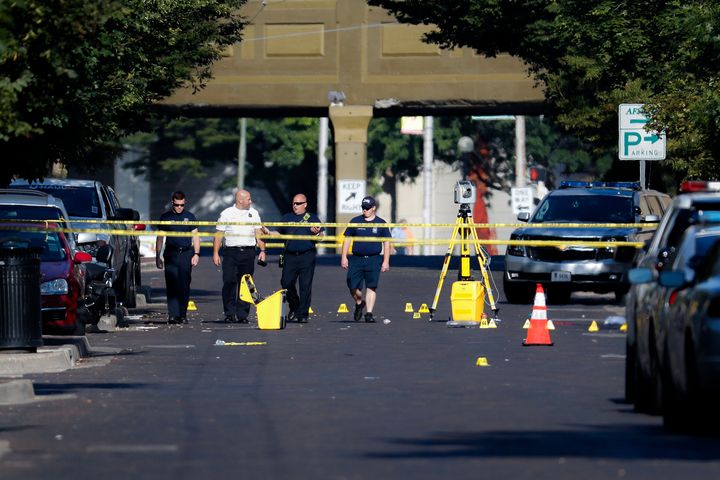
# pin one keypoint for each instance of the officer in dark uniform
(299, 258)
(181, 254)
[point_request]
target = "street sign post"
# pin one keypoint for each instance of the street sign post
(635, 142)
(350, 194)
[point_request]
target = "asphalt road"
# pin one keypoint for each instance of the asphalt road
(339, 400)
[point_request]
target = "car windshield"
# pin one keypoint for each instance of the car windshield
(585, 208)
(79, 201)
(53, 249)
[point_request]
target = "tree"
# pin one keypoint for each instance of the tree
(77, 75)
(591, 56)
(280, 152)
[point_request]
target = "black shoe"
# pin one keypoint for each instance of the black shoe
(242, 320)
(369, 318)
(182, 320)
(359, 310)
(292, 317)
(173, 320)
(229, 319)
(302, 319)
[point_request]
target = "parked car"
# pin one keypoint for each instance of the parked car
(17, 205)
(691, 371)
(91, 200)
(645, 299)
(62, 282)
(567, 268)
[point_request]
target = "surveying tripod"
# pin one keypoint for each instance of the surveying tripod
(466, 228)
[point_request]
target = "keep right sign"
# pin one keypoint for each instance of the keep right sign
(635, 143)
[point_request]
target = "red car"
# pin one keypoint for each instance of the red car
(62, 283)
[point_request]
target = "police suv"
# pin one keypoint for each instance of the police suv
(563, 268)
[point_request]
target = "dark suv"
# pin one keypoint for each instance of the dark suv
(96, 203)
(565, 268)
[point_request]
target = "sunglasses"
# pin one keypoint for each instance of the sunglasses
(178, 204)
(299, 203)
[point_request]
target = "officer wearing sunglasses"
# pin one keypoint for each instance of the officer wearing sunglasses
(180, 256)
(298, 258)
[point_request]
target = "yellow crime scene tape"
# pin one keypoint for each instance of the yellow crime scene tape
(334, 241)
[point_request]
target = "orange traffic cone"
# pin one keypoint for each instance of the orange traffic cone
(538, 333)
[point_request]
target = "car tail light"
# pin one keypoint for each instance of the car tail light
(699, 186)
(139, 227)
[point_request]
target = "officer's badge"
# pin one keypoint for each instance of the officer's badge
(374, 230)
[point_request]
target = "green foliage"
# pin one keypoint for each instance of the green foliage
(79, 74)
(591, 56)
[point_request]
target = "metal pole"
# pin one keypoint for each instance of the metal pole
(428, 157)
(322, 192)
(642, 174)
(520, 160)
(242, 153)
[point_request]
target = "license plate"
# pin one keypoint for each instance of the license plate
(560, 276)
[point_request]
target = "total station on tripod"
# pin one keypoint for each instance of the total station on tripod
(465, 192)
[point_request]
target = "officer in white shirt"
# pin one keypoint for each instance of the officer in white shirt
(238, 253)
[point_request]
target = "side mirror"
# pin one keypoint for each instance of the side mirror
(640, 275)
(126, 214)
(523, 216)
(82, 257)
(672, 279)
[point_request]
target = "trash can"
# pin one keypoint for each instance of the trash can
(20, 309)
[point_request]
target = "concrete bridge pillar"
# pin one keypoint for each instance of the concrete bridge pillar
(350, 124)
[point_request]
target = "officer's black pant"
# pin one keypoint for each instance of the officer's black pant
(178, 273)
(237, 261)
(301, 269)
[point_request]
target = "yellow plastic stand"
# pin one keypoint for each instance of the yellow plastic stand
(270, 312)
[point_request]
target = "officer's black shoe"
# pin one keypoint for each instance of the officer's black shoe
(242, 320)
(182, 320)
(173, 320)
(292, 317)
(302, 319)
(229, 319)
(369, 318)
(359, 311)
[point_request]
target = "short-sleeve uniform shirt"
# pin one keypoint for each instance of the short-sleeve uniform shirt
(239, 235)
(185, 217)
(367, 228)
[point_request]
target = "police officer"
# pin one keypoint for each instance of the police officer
(299, 258)
(238, 253)
(368, 259)
(181, 254)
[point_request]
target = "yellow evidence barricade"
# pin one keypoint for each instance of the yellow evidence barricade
(270, 310)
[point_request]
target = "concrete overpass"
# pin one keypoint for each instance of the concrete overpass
(295, 52)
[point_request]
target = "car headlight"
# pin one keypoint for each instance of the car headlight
(516, 250)
(58, 286)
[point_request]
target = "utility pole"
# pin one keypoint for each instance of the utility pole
(242, 153)
(428, 157)
(520, 159)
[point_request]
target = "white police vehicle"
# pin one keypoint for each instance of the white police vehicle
(566, 268)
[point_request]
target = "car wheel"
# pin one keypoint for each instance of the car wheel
(517, 293)
(128, 282)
